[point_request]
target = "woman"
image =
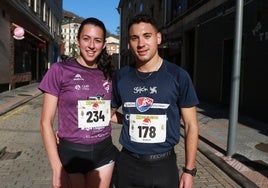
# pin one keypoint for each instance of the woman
(79, 90)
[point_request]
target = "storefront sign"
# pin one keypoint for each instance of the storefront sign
(18, 33)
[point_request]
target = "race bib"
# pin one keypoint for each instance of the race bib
(93, 113)
(147, 128)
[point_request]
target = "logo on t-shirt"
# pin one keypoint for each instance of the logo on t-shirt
(144, 103)
(78, 77)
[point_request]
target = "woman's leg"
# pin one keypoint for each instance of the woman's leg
(77, 180)
(100, 177)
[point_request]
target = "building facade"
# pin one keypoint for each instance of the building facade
(112, 45)
(69, 35)
(30, 40)
(199, 35)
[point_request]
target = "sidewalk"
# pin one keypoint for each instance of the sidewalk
(11, 99)
(251, 157)
(248, 167)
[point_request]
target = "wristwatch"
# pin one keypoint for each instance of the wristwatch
(192, 172)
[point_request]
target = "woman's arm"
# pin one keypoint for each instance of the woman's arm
(116, 117)
(49, 139)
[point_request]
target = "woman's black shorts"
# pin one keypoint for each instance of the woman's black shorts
(80, 158)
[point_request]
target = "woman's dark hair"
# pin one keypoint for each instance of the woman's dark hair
(104, 61)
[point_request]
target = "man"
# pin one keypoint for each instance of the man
(155, 95)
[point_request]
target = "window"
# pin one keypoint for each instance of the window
(32, 4)
(141, 7)
(38, 7)
(43, 10)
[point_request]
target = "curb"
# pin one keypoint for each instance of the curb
(204, 146)
(23, 98)
(229, 170)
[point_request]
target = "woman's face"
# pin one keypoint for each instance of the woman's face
(91, 42)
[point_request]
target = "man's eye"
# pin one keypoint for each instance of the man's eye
(147, 36)
(133, 38)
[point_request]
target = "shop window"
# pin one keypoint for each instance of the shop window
(22, 56)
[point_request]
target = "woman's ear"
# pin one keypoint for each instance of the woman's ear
(104, 45)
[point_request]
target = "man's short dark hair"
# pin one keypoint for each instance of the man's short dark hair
(143, 18)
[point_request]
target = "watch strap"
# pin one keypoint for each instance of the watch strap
(188, 171)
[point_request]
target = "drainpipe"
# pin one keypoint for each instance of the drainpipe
(234, 100)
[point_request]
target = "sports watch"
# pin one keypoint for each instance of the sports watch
(192, 172)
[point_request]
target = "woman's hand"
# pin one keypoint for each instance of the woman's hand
(61, 179)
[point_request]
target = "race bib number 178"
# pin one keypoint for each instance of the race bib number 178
(147, 128)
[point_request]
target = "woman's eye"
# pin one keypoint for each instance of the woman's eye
(85, 38)
(98, 40)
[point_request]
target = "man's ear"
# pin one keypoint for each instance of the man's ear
(159, 38)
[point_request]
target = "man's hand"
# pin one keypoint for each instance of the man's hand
(186, 181)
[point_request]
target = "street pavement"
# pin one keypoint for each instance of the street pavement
(23, 161)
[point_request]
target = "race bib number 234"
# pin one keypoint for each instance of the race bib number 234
(93, 113)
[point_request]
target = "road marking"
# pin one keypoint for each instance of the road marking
(13, 112)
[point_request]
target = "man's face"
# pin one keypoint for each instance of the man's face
(144, 41)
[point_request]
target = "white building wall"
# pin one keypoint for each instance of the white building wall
(112, 40)
(69, 34)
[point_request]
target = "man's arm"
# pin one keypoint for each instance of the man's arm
(189, 118)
